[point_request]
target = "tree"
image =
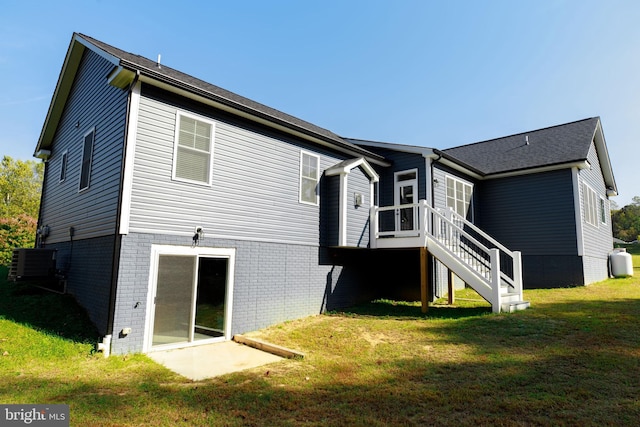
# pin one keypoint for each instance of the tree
(20, 187)
(626, 221)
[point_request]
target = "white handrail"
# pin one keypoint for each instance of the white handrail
(482, 233)
(516, 280)
(425, 224)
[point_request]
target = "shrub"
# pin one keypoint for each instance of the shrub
(18, 232)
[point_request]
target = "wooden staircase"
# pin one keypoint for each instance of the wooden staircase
(479, 260)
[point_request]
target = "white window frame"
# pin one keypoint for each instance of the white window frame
(64, 160)
(92, 131)
(603, 211)
(590, 205)
(465, 184)
(302, 177)
(179, 115)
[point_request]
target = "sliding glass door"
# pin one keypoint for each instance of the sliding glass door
(190, 298)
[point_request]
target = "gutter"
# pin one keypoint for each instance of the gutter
(433, 193)
(456, 164)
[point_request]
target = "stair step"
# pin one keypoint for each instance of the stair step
(513, 306)
(509, 294)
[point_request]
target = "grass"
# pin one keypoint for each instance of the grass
(572, 359)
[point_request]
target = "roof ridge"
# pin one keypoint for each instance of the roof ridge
(522, 133)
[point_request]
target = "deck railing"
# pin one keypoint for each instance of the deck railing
(420, 225)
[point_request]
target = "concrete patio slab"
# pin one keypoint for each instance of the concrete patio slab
(211, 360)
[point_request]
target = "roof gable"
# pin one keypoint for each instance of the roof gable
(127, 66)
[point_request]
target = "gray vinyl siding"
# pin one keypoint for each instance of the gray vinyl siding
(401, 161)
(273, 282)
(330, 210)
(255, 182)
(597, 240)
(530, 213)
(93, 103)
(535, 214)
(87, 265)
(358, 217)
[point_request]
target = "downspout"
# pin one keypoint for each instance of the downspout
(433, 193)
(105, 345)
(432, 271)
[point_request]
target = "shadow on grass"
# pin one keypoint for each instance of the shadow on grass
(405, 391)
(407, 310)
(52, 313)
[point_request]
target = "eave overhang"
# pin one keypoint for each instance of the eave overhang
(123, 75)
(455, 164)
(605, 161)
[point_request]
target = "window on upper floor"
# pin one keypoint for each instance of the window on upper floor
(603, 212)
(459, 196)
(87, 157)
(63, 166)
(590, 201)
(309, 177)
(193, 149)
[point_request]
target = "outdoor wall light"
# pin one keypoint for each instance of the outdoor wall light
(199, 234)
(357, 200)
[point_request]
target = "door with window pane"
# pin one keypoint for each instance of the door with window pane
(190, 299)
(406, 187)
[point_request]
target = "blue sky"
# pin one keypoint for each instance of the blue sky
(429, 73)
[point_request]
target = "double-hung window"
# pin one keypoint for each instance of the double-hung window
(193, 150)
(87, 155)
(309, 177)
(459, 196)
(590, 199)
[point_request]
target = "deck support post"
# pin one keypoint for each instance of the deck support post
(424, 279)
(452, 296)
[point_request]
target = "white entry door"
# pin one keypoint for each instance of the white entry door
(190, 296)
(406, 192)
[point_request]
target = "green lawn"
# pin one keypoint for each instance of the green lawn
(572, 359)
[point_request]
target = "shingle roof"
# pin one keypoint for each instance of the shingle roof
(550, 146)
(208, 90)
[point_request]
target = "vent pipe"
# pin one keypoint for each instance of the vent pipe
(158, 63)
